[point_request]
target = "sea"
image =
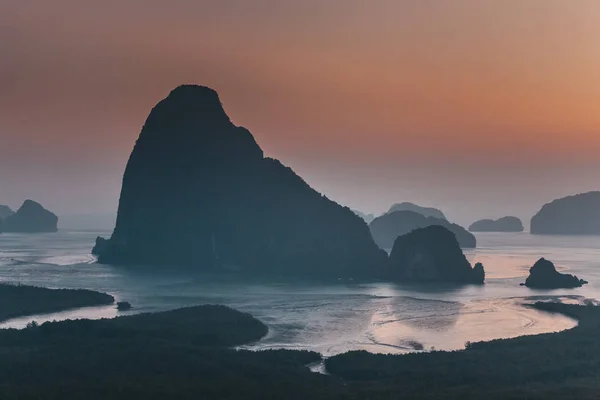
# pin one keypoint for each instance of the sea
(329, 318)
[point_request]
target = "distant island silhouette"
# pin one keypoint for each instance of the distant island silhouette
(367, 217)
(198, 193)
(5, 211)
(388, 227)
(572, 215)
(31, 217)
(504, 224)
(426, 211)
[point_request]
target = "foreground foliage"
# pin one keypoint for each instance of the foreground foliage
(187, 354)
(179, 354)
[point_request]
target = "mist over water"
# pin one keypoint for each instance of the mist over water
(328, 318)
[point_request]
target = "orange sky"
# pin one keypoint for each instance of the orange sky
(486, 103)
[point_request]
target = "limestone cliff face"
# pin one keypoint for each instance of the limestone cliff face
(31, 217)
(572, 215)
(197, 192)
(432, 254)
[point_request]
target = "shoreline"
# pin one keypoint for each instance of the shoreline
(191, 351)
(24, 300)
(383, 335)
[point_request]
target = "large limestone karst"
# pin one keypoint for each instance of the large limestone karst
(31, 217)
(432, 254)
(572, 215)
(388, 227)
(426, 211)
(504, 224)
(198, 192)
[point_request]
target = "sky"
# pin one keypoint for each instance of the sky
(482, 108)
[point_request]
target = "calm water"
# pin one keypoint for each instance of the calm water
(327, 318)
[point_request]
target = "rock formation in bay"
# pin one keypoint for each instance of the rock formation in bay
(572, 215)
(504, 224)
(543, 275)
(432, 254)
(426, 211)
(31, 217)
(198, 193)
(388, 227)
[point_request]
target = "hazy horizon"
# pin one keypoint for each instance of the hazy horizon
(480, 108)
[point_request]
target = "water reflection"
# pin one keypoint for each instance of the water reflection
(80, 313)
(378, 317)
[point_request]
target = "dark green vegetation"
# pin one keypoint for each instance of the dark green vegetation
(180, 354)
(543, 275)
(432, 254)
(191, 163)
(186, 354)
(214, 326)
(563, 365)
(18, 300)
(388, 227)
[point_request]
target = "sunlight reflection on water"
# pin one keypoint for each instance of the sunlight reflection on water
(378, 317)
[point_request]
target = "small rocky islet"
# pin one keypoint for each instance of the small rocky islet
(504, 224)
(543, 275)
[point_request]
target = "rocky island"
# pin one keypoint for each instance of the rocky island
(31, 217)
(426, 211)
(199, 193)
(432, 254)
(388, 227)
(504, 224)
(572, 215)
(543, 275)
